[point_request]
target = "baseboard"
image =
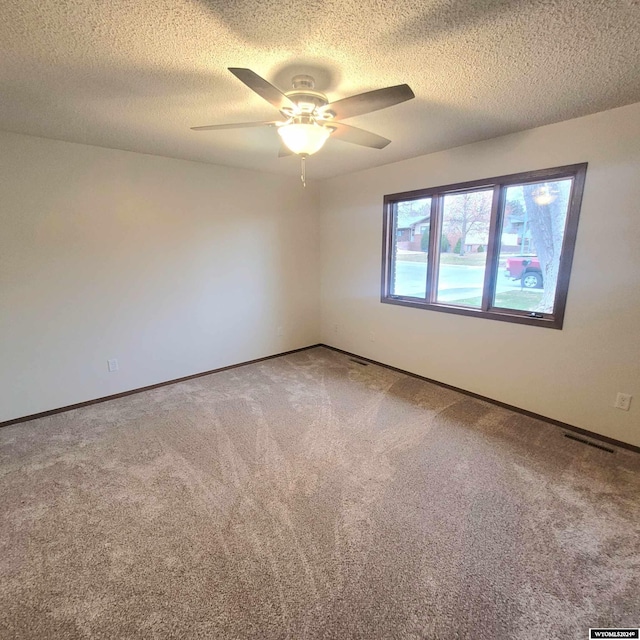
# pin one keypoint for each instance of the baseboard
(525, 412)
(530, 414)
(70, 407)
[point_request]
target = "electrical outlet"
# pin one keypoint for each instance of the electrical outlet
(623, 401)
(372, 336)
(336, 328)
(280, 331)
(112, 365)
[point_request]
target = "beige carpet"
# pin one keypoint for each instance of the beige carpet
(312, 497)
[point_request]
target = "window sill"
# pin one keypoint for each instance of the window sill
(547, 321)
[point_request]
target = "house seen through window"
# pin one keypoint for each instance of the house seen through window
(498, 248)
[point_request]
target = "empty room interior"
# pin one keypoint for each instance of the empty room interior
(320, 320)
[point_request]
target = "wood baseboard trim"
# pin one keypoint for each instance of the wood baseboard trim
(530, 414)
(504, 405)
(79, 405)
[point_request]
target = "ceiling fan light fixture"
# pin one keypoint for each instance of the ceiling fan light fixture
(545, 194)
(304, 138)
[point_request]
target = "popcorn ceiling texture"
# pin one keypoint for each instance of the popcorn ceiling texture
(136, 74)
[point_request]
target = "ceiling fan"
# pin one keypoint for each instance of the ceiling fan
(308, 116)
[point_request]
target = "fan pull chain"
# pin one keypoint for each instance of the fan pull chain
(303, 170)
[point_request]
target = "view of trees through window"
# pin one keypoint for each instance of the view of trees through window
(465, 233)
(537, 214)
(511, 265)
(412, 249)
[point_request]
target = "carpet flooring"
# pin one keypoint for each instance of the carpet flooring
(309, 497)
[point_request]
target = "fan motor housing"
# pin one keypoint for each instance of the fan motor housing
(306, 99)
(304, 95)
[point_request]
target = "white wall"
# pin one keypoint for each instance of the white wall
(172, 267)
(570, 375)
(176, 267)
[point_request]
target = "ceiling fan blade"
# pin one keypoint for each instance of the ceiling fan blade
(235, 125)
(370, 101)
(357, 136)
(263, 88)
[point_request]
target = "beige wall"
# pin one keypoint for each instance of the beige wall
(172, 267)
(570, 375)
(176, 267)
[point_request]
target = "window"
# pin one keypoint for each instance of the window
(499, 248)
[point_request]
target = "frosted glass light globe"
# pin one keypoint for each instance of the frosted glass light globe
(304, 138)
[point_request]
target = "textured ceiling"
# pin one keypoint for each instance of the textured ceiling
(136, 74)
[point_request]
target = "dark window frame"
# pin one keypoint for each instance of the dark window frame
(499, 185)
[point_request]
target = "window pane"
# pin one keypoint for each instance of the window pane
(411, 232)
(463, 247)
(532, 234)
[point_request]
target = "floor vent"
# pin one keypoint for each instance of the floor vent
(362, 364)
(591, 444)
